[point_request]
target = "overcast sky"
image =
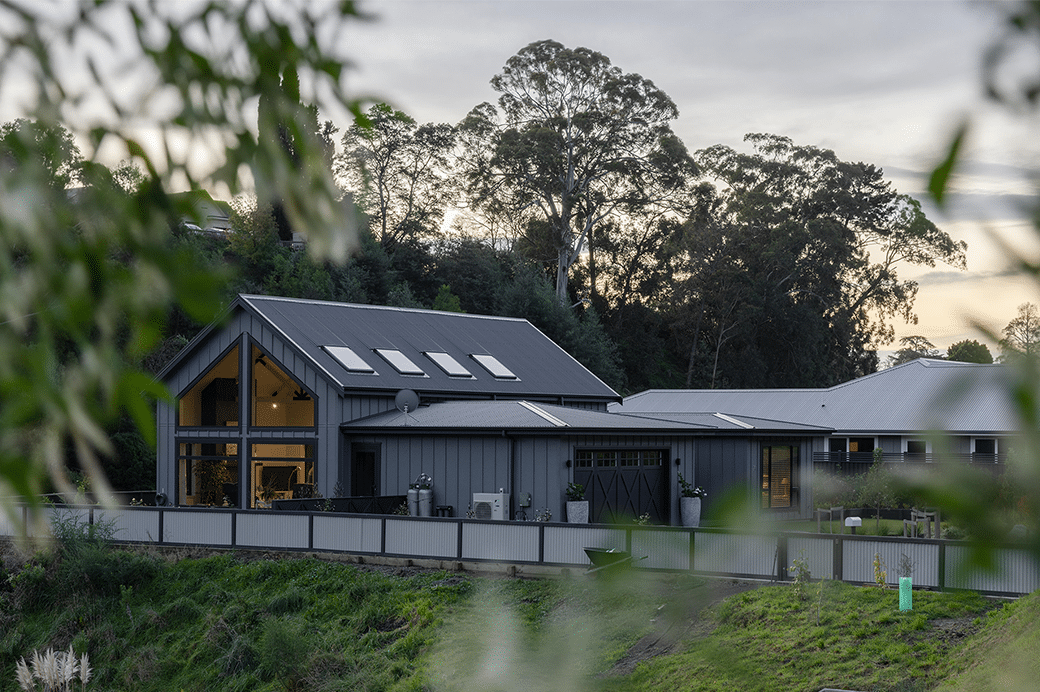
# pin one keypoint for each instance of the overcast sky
(880, 82)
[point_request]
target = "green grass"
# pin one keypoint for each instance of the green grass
(1005, 655)
(228, 623)
(776, 639)
(888, 527)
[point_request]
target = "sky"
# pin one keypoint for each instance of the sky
(880, 82)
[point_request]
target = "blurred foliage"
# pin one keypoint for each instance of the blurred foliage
(88, 278)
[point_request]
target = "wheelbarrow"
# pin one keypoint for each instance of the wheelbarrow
(609, 560)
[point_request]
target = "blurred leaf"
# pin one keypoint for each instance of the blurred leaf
(939, 181)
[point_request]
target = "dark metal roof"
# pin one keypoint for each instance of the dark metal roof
(542, 368)
(531, 416)
(918, 396)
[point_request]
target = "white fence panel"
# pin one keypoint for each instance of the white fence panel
(565, 544)
(197, 527)
(271, 530)
(923, 559)
(1016, 571)
(60, 514)
(662, 549)
(422, 538)
(500, 541)
(818, 554)
(8, 527)
(347, 534)
(753, 556)
(138, 525)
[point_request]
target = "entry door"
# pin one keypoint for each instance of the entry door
(364, 470)
(621, 485)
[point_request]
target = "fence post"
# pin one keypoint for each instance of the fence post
(162, 528)
(693, 546)
(781, 558)
(836, 555)
(459, 527)
(942, 565)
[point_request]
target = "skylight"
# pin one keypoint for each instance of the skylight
(494, 366)
(448, 364)
(400, 362)
(350, 360)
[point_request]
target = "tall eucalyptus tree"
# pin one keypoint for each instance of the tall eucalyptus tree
(573, 143)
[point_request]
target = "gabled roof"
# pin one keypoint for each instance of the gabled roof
(480, 416)
(918, 396)
(318, 331)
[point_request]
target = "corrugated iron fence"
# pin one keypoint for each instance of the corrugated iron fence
(934, 564)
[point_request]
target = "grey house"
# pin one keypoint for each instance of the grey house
(913, 413)
(287, 398)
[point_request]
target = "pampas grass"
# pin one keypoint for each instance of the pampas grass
(55, 671)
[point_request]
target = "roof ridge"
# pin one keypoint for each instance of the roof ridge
(370, 306)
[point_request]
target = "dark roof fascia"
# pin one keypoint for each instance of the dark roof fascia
(869, 432)
(242, 303)
(533, 432)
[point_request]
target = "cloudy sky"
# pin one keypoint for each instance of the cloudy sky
(880, 82)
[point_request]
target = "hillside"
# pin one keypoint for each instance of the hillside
(252, 621)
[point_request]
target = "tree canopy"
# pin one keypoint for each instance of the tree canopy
(788, 266)
(969, 351)
(573, 143)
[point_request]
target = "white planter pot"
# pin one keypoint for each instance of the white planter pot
(578, 511)
(690, 511)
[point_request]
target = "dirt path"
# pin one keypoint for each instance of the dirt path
(683, 624)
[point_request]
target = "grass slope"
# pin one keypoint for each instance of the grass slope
(786, 638)
(233, 623)
(1005, 655)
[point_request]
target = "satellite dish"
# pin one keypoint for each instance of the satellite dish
(406, 400)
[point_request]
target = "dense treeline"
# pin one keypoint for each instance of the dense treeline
(572, 203)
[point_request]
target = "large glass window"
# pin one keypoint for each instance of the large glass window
(207, 474)
(278, 401)
(779, 463)
(213, 400)
(280, 472)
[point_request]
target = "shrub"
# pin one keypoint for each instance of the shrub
(284, 648)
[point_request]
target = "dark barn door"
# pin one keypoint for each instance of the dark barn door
(621, 485)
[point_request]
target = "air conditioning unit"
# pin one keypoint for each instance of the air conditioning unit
(491, 506)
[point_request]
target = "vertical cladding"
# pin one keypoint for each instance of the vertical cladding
(662, 549)
(818, 554)
(504, 541)
(735, 554)
(858, 561)
(200, 528)
(131, 524)
(433, 539)
(1016, 571)
(348, 534)
(566, 545)
(271, 530)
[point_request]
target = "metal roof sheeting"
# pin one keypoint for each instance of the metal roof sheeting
(917, 396)
(542, 368)
(526, 415)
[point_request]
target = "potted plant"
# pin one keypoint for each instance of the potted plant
(577, 505)
(690, 502)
